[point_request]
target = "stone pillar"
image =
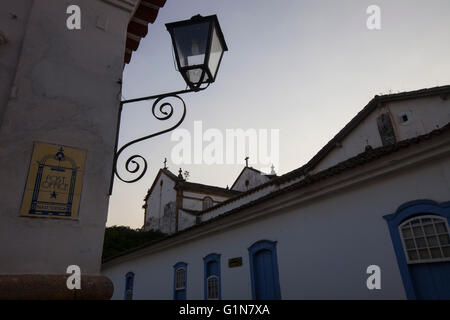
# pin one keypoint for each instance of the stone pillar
(60, 87)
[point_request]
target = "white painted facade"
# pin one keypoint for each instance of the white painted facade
(171, 203)
(160, 206)
(194, 200)
(249, 179)
(58, 86)
(424, 115)
(327, 233)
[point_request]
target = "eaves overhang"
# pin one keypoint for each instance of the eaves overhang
(145, 12)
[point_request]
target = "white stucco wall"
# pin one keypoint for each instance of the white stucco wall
(324, 245)
(159, 198)
(13, 30)
(185, 220)
(426, 115)
(254, 179)
(159, 217)
(237, 203)
(194, 200)
(58, 86)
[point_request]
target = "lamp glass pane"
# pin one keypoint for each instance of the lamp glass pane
(190, 42)
(216, 53)
(194, 75)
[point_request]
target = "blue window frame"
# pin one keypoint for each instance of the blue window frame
(179, 281)
(129, 284)
(264, 270)
(212, 280)
(413, 268)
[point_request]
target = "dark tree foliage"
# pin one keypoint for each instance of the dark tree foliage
(120, 238)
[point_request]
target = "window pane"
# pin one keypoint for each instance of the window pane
(429, 229)
(191, 43)
(410, 244)
(444, 239)
(446, 251)
(195, 75)
(426, 220)
(215, 53)
(417, 231)
(180, 279)
(421, 242)
(407, 232)
(433, 241)
(426, 238)
(213, 287)
(441, 228)
(412, 255)
(436, 253)
(424, 254)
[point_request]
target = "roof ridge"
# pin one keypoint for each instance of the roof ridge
(360, 159)
(360, 116)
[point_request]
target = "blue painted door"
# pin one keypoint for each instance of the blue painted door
(180, 294)
(264, 275)
(431, 281)
(212, 269)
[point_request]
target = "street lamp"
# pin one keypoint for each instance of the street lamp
(199, 46)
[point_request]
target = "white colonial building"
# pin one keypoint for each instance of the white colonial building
(378, 194)
(60, 68)
(173, 204)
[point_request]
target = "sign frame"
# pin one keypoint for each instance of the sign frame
(54, 182)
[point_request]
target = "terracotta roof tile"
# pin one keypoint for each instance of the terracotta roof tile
(146, 12)
(191, 186)
(361, 159)
(443, 91)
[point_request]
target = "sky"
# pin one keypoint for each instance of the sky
(302, 67)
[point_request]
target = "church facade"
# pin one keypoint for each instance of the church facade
(173, 204)
(376, 197)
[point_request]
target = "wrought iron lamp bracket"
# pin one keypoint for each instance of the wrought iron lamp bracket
(166, 110)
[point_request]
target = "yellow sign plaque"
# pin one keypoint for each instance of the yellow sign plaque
(54, 182)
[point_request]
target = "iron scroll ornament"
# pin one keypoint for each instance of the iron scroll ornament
(166, 110)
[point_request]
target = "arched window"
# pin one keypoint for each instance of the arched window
(212, 286)
(180, 281)
(264, 270)
(420, 236)
(425, 239)
(129, 284)
(207, 203)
